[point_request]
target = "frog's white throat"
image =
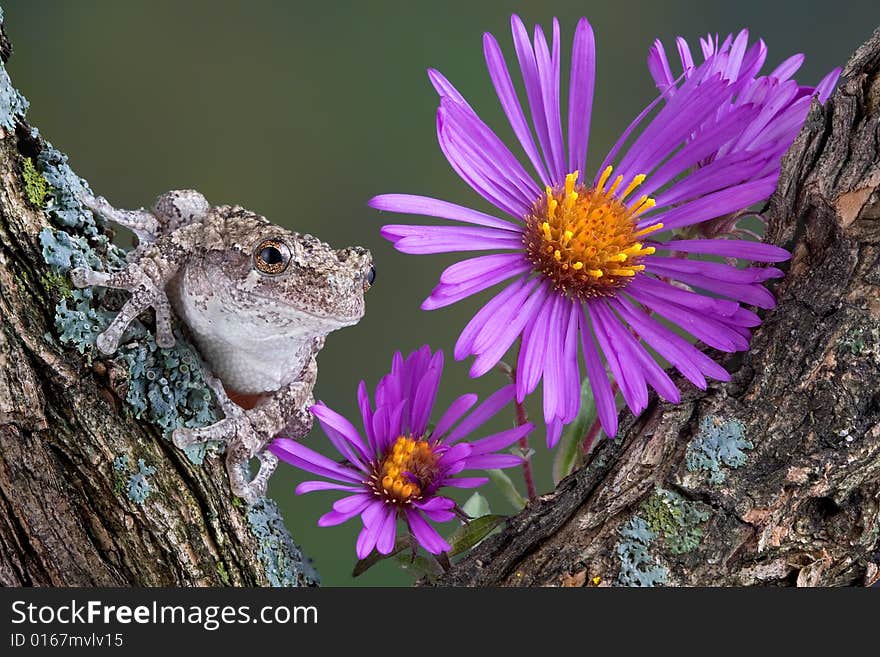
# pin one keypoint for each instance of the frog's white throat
(249, 353)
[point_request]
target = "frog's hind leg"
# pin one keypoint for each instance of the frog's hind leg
(144, 294)
(172, 210)
(142, 223)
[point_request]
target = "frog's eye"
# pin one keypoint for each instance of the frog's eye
(371, 276)
(271, 256)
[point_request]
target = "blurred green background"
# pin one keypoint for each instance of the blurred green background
(302, 111)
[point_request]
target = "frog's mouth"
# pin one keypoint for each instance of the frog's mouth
(295, 313)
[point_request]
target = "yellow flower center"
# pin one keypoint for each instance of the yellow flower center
(408, 468)
(585, 240)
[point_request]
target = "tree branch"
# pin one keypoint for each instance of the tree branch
(774, 477)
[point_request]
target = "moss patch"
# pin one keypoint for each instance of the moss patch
(35, 186)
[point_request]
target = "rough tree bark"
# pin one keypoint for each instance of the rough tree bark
(773, 478)
(69, 445)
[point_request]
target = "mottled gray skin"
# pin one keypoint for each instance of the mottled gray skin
(258, 324)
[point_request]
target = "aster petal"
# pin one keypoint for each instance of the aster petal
(570, 371)
(484, 316)
(503, 317)
(453, 414)
(626, 369)
(445, 295)
(503, 84)
(466, 271)
(711, 138)
(306, 459)
(658, 66)
(714, 205)
(473, 168)
(729, 248)
(483, 147)
(529, 68)
(673, 348)
(445, 89)
(465, 482)
(425, 395)
(332, 518)
(453, 459)
(426, 535)
(533, 347)
(422, 240)
(311, 486)
(754, 294)
(684, 53)
(385, 537)
(725, 172)
(342, 434)
(553, 355)
(500, 440)
(366, 415)
(827, 84)
(602, 394)
(548, 77)
(580, 94)
(692, 104)
(491, 461)
(366, 541)
(482, 414)
(432, 207)
(490, 351)
(720, 270)
(681, 297)
(710, 331)
(438, 509)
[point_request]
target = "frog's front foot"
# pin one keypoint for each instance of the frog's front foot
(243, 443)
(144, 294)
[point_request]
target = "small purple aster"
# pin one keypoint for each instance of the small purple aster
(399, 471)
(591, 259)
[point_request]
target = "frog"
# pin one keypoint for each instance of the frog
(258, 300)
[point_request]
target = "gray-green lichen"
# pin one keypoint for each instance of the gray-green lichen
(167, 386)
(679, 522)
(719, 443)
(665, 520)
(638, 567)
(135, 484)
(284, 562)
(138, 486)
(12, 103)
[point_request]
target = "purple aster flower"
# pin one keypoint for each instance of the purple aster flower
(587, 262)
(401, 467)
(784, 103)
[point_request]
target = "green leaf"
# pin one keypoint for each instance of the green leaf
(569, 451)
(476, 506)
(420, 566)
(362, 566)
(505, 485)
(469, 535)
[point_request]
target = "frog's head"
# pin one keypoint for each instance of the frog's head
(269, 282)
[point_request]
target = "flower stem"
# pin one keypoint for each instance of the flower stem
(521, 419)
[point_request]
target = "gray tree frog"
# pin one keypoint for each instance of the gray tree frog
(258, 301)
